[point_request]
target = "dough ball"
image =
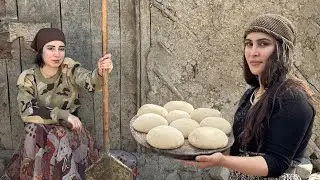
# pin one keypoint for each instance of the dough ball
(201, 113)
(148, 121)
(178, 105)
(216, 122)
(177, 114)
(208, 138)
(152, 108)
(185, 126)
(165, 137)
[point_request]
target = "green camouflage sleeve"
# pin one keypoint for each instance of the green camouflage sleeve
(89, 80)
(29, 108)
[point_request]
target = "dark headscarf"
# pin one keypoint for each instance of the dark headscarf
(46, 35)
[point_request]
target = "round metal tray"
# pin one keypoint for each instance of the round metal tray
(186, 151)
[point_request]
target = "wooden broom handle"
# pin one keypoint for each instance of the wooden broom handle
(105, 91)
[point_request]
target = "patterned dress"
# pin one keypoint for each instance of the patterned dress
(49, 149)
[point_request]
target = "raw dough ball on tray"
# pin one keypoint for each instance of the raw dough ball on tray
(200, 113)
(185, 126)
(216, 122)
(152, 108)
(148, 121)
(178, 105)
(208, 138)
(165, 137)
(177, 114)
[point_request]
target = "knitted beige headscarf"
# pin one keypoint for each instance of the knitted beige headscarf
(281, 29)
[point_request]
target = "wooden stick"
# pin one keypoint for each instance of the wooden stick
(105, 91)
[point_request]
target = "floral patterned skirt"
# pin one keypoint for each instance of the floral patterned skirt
(52, 152)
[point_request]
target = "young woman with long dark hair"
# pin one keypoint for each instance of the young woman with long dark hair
(273, 123)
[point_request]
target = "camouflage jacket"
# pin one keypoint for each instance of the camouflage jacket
(45, 101)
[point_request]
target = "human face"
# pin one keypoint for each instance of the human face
(53, 54)
(258, 49)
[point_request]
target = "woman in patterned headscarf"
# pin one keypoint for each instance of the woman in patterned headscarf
(55, 144)
(273, 123)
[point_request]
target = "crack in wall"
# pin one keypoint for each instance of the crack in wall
(306, 79)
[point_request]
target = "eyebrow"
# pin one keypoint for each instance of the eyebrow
(262, 39)
(54, 46)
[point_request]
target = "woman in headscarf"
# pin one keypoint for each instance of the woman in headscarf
(55, 143)
(273, 123)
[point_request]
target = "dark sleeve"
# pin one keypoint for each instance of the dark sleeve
(234, 150)
(288, 127)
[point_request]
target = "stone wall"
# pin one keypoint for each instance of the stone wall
(196, 49)
(162, 50)
(193, 51)
(155, 167)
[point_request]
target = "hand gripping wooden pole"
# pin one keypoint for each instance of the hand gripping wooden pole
(105, 90)
(107, 167)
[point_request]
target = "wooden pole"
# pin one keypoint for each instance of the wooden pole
(105, 91)
(107, 167)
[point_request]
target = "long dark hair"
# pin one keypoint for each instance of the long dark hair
(277, 80)
(39, 60)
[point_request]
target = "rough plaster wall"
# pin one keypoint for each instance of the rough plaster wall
(196, 52)
(2, 9)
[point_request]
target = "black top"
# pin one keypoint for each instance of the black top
(288, 133)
